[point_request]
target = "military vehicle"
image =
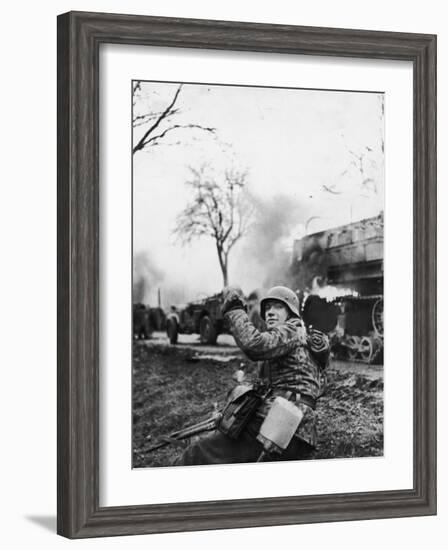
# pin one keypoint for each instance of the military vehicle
(345, 266)
(141, 322)
(145, 320)
(201, 317)
(204, 317)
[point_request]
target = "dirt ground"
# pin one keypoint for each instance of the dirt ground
(178, 386)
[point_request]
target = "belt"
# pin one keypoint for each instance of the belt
(292, 394)
(298, 397)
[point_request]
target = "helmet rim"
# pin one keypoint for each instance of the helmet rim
(285, 296)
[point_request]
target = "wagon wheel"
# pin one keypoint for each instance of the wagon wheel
(352, 344)
(172, 330)
(366, 349)
(207, 331)
(377, 317)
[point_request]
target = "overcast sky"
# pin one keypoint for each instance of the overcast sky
(300, 149)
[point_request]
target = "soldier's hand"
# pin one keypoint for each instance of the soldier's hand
(230, 292)
(233, 299)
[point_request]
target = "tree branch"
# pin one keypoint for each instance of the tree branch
(153, 140)
(144, 119)
(162, 116)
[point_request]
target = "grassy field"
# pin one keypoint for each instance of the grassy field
(173, 387)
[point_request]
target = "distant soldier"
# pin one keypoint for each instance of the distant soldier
(291, 361)
(141, 322)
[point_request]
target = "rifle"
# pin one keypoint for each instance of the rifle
(174, 437)
(204, 426)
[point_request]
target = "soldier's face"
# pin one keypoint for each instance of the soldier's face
(275, 313)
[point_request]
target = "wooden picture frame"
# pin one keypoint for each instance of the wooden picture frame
(79, 38)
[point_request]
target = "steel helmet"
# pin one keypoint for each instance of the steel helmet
(282, 294)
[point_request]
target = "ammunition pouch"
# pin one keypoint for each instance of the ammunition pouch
(241, 405)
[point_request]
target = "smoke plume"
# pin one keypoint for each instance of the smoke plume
(151, 282)
(267, 249)
(146, 277)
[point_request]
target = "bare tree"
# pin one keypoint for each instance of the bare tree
(158, 122)
(362, 165)
(366, 162)
(219, 210)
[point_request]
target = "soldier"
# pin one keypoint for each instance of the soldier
(291, 363)
(141, 323)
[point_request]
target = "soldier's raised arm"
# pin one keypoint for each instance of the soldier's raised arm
(263, 345)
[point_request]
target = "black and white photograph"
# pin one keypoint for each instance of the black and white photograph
(225, 237)
(258, 219)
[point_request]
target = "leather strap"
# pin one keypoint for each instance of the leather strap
(291, 395)
(307, 400)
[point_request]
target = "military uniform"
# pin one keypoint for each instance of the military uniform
(291, 363)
